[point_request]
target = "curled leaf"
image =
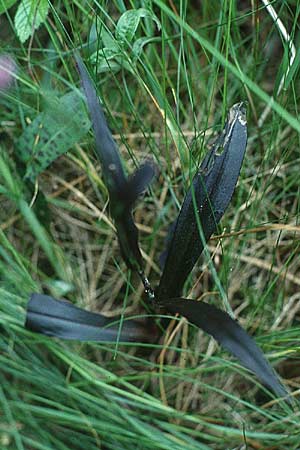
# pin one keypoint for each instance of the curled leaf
(230, 335)
(207, 198)
(123, 192)
(60, 318)
(139, 181)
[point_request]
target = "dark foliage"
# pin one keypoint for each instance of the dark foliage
(62, 319)
(205, 203)
(123, 192)
(202, 209)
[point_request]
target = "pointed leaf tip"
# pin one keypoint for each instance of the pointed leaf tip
(205, 203)
(123, 192)
(106, 148)
(231, 336)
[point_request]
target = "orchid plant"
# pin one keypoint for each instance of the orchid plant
(204, 205)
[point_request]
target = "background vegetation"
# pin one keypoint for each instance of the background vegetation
(167, 74)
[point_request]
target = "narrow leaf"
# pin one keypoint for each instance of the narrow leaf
(60, 318)
(122, 192)
(230, 335)
(211, 190)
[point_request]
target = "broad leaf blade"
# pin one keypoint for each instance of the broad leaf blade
(230, 335)
(60, 318)
(122, 192)
(212, 189)
(29, 16)
(52, 133)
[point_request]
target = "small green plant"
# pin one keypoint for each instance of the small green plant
(30, 14)
(204, 205)
(110, 57)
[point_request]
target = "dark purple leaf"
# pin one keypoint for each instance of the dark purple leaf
(230, 335)
(212, 189)
(106, 148)
(60, 318)
(123, 192)
(139, 181)
(167, 243)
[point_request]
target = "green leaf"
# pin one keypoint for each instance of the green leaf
(292, 73)
(105, 53)
(52, 133)
(139, 44)
(29, 16)
(129, 22)
(6, 4)
(98, 34)
(106, 59)
(108, 39)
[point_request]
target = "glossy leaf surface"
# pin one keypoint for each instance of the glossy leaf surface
(230, 335)
(207, 198)
(60, 318)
